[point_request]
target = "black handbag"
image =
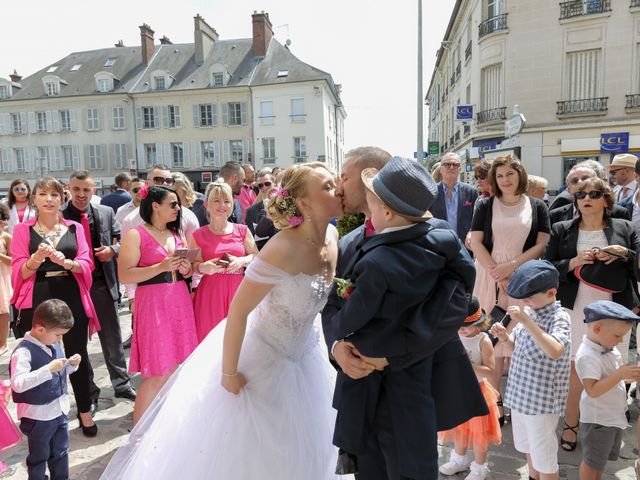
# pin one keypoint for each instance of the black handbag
(498, 314)
(611, 278)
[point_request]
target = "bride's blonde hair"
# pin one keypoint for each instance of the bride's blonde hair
(281, 206)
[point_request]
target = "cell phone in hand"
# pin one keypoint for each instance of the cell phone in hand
(190, 254)
(224, 260)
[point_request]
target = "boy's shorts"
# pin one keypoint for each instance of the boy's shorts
(536, 435)
(599, 444)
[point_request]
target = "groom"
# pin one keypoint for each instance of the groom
(454, 386)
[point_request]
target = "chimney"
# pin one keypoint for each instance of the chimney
(146, 41)
(262, 33)
(120, 44)
(15, 78)
(204, 37)
(165, 41)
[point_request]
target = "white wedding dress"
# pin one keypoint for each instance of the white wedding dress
(279, 427)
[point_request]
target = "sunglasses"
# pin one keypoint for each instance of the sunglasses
(19, 189)
(174, 204)
(265, 184)
(575, 180)
(451, 165)
(163, 181)
(593, 194)
(480, 177)
(136, 189)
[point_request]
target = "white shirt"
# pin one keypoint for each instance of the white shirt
(635, 218)
(189, 224)
(607, 409)
(23, 379)
(125, 210)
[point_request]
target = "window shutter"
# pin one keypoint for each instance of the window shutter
(185, 154)
(49, 119)
(4, 160)
(55, 115)
(196, 115)
(100, 115)
(226, 151)
(87, 160)
(166, 153)
(72, 120)
(32, 123)
(104, 156)
(214, 114)
(243, 113)
(245, 150)
(197, 149)
(156, 117)
(23, 122)
(28, 164)
(12, 162)
(4, 123)
(217, 158)
(165, 117)
(54, 157)
(138, 118)
(141, 160)
(75, 156)
(225, 114)
(177, 116)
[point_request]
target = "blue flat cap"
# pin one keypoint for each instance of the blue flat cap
(403, 185)
(606, 310)
(534, 276)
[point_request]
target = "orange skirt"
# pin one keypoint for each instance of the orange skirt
(478, 432)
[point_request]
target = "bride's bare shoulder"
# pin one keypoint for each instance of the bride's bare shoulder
(282, 251)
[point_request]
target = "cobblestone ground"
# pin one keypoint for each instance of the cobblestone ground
(89, 456)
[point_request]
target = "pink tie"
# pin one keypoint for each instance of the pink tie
(84, 221)
(368, 228)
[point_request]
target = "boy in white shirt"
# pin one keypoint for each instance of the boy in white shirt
(604, 400)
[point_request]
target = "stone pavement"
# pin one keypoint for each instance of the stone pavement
(89, 456)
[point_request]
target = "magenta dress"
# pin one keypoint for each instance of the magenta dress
(164, 327)
(215, 292)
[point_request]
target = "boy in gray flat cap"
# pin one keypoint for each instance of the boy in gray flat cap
(604, 400)
(538, 382)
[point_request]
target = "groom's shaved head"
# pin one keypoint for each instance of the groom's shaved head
(368, 157)
(350, 186)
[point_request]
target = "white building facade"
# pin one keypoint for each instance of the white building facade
(572, 67)
(192, 107)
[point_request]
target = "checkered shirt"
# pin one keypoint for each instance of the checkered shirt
(537, 384)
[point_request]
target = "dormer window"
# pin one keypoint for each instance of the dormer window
(104, 81)
(218, 75)
(218, 80)
(283, 73)
(52, 69)
(76, 67)
(110, 62)
(4, 92)
(52, 89)
(159, 83)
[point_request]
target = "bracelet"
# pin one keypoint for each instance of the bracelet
(26, 264)
(229, 374)
(72, 264)
(514, 262)
(34, 259)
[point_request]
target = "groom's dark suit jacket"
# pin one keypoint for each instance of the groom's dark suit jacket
(410, 298)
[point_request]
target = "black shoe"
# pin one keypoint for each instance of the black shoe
(127, 343)
(566, 445)
(91, 431)
(128, 393)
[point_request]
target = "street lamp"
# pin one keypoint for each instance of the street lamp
(420, 148)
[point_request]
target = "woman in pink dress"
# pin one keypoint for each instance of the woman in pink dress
(507, 230)
(164, 329)
(225, 250)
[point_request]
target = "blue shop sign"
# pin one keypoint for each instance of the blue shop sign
(614, 142)
(487, 144)
(464, 112)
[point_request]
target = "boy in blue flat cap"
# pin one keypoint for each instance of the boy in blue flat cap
(604, 400)
(538, 382)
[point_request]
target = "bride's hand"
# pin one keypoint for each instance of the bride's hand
(234, 383)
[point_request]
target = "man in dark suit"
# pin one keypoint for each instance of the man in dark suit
(455, 200)
(121, 196)
(451, 375)
(101, 228)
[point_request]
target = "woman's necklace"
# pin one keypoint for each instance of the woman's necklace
(152, 226)
(218, 231)
(49, 235)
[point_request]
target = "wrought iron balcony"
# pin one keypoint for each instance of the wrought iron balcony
(633, 101)
(452, 140)
(493, 115)
(458, 69)
(457, 137)
(493, 24)
(634, 3)
(577, 8)
(453, 79)
(467, 52)
(586, 105)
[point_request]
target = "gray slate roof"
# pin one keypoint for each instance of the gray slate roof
(179, 61)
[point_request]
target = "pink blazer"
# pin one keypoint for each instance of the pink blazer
(23, 289)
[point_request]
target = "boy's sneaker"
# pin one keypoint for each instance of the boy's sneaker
(478, 472)
(456, 464)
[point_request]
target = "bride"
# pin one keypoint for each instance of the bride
(263, 411)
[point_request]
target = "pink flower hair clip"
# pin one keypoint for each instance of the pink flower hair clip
(144, 191)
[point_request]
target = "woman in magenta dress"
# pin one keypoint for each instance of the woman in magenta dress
(164, 330)
(219, 242)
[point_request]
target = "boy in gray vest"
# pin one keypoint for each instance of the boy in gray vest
(39, 373)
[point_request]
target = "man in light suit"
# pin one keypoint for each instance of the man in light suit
(455, 200)
(121, 196)
(104, 233)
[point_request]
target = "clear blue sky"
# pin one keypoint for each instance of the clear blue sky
(369, 46)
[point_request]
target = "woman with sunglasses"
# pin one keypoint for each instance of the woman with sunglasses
(226, 249)
(481, 176)
(18, 202)
(51, 259)
(164, 329)
(592, 236)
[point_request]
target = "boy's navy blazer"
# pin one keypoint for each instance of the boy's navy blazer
(427, 257)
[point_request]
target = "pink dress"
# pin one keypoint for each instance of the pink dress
(511, 226)
(164, 327)
(9, 433)
(215, 292)
(6, 291)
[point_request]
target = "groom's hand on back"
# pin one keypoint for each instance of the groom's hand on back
(348, 357)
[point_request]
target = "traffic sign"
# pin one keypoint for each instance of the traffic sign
(514, 125)
(415, 154)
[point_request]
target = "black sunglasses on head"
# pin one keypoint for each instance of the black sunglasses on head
(593, 194)
(163, 181)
